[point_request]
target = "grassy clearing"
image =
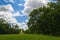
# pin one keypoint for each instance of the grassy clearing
(27, 37)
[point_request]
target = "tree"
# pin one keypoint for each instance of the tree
(45, 20)
(6, 28)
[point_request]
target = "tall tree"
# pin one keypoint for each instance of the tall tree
(45, 20)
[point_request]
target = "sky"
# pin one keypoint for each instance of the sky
(17, 11)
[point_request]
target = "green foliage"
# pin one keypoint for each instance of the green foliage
(6, 28)
(45, 20)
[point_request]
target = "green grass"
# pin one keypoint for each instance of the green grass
(27, 37)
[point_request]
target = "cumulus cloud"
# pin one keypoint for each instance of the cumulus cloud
(33, 4)
(9, 7)
(9, 1)
(8, 16)
(7, 13)
(6, 8)
(23, 25)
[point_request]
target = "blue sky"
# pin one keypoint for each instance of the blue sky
(17, 11)
(16, 8)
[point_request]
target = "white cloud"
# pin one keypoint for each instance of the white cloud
(26, 21)
(17, 14)
(9, 7)
(7, 12)
(32, 4)
(8, 16)
(20, 4)
(9, 1)
(27, 10)
(6, 8)
(25, 0)
(23, 25)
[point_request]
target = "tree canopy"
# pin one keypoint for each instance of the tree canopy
(6, 28)
(45, 20)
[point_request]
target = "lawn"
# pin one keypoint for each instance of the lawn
(27, 37)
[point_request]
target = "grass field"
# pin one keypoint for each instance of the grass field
(27, 37)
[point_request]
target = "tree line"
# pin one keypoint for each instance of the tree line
(45, 20)
(6, 28)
